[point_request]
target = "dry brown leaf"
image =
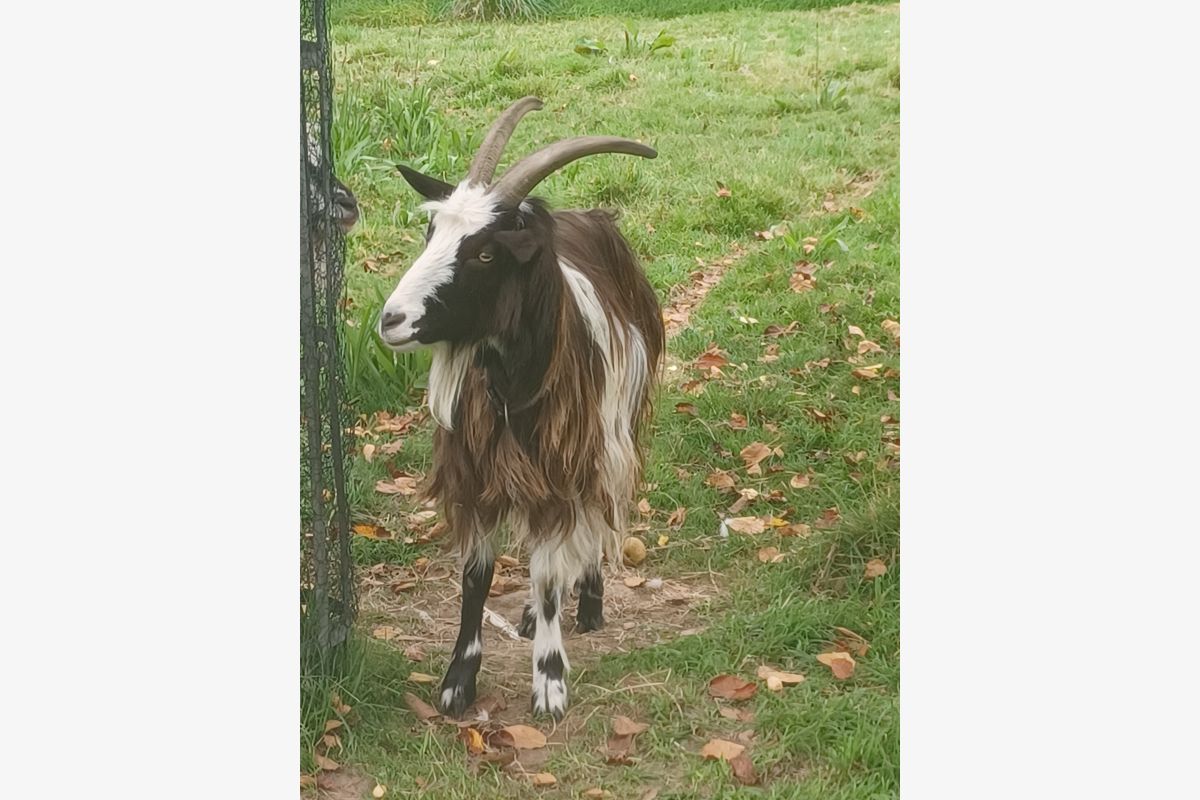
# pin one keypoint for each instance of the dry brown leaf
(421, 677)
(796, 529)
(829, 518)
(842, 664)
(867, 346)
(474, 740)
(624, 726)
(774, 684)
(712, 358)
(525, 737)
(391, 448)
(855, 331)
(405, 485)
(692, 387)
(325, 762)
(731, 687)
(423, 710)
(307, 780)
(596, 792)
(851, 642)
(867, 373)
(743, 769)
(619, 749)
(385, 632)
(650, 794)
(800, 481)
(752, 454)
(720, 479)
(892, 328)
(747, 525)
(770, 555)
(414, 653)
(544, 779)
(676, 520)
(722, 750)
(332, 725)
(633, 581)
(723, 192)
(643, 507)
(737, 421)
(686, 408)
(875, 568)
(368, 452)
(739, 714)
(377, 532)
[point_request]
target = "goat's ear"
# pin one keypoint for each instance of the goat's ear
(427, 187)
(523, 244)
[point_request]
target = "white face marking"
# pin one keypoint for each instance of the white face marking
(464, 212)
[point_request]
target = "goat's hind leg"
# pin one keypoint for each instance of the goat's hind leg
(549, 657)
(458, 687)
(590, 616)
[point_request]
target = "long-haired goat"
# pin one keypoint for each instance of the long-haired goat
(546, 340)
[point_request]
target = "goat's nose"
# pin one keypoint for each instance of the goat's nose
(391, 319)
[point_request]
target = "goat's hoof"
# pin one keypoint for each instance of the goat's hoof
(587, 621)
(528, 623)
(455, 697)
(549, 697)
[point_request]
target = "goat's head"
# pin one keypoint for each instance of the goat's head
(345, 204)
(482, 239)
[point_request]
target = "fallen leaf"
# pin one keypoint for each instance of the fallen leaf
(723, 192)
(525, 737)
(385, 632)
(829, 518)
(720, 479)
(874, 569)
(743, 769)
(596, 792)
(739, 714)
(369, 452)
(377, 532)
(544, 779)
(747, 525)
(643, 506)
(624, 726)
(712, 358)
(867, 373)
(675, 521)
(332, 725)
(325, 762)
(752, 455)
(800, 481)
(634, 581)
(414, 653)
(737, 421)
(405, 485)
(867, 346)
(731, 687)
(692, 387)
(774, 684)
(307, 780)
(474, 740)
(785, 678)
(770, 555)
(775, 331)
(722, 750)
(619, 749)
(423, 710)
(686, 408)
(842, 664)
(851, 642)
(421, 677)
(379, 791)
(892, 328)
(650, 794)
(391, 448)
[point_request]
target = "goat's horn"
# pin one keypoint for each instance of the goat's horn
(484, 165)
(527, 173)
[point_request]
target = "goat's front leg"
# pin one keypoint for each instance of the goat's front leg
(549, 658)
(458, 687)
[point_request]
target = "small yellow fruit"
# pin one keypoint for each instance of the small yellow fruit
(634, 550)
(379, 790)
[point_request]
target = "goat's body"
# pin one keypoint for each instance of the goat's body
(539, 433)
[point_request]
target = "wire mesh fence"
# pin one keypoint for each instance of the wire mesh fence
(327, 604)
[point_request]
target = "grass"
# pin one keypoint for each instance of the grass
(796, 113)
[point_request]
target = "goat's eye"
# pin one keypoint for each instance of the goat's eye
(484, 256)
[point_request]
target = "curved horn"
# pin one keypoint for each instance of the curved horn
(527, 173)
(484, 165)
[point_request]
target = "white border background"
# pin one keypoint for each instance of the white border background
(149, 335)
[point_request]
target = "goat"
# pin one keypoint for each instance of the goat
(345, 205)
(546, 338)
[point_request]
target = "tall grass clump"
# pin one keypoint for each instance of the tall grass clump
(377, 378)
(501, 9)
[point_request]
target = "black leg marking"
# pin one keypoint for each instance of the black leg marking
(552, 666)
(457, 692)
(590, 616)
(550, 604)
(528, 621)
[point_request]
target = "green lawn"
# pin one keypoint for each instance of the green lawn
(796, 114)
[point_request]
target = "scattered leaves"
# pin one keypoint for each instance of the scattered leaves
(405, 485)
(711, 359)
(368, 531)
(731, 687)
(720, 479)
(737, 421)
(524, 737)
(624, 726)
(851, 642)
(686, 408)
(829, 518)
(796, 529)
(800, 481)
(644, 508)
(677, 518)
(368, 452)
(474, 740)
(633, 581)
(784, 678)
(842, 664)
(892, 328)
(743, 769)
(875, 568)
(325, 762)
(544, 779)
(867, 373)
